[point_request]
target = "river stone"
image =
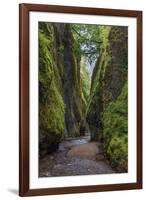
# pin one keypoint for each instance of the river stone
(87, 151)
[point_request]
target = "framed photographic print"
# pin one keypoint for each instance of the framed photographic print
(80, 99)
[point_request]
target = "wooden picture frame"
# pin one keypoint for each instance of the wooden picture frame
(24, 106)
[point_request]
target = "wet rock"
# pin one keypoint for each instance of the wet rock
(82, 167)
(76, 157)
(48, 144)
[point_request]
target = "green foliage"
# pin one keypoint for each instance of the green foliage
(90, 33)
(115, 123)
(117, 152)
(90, 38)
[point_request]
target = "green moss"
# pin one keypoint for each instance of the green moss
(95, 103)
(107, 108)
(51, 105)
(52, 113)
(117, 153)
(115, 122)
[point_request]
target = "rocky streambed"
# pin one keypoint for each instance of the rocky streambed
(75, 156)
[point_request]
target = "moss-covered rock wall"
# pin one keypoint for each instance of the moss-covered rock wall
(107, 108)
(60, 102)
(115, 123)
(69, 63)
(51, 105)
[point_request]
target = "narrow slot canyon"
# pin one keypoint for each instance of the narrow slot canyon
(83, 99)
